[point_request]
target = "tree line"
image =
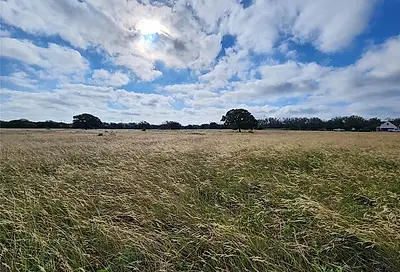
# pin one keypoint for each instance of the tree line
(233, 119)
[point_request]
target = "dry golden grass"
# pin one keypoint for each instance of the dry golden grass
(199, 201)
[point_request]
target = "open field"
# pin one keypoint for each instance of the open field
(199, 201)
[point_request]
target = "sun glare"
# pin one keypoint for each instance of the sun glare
(148, 27)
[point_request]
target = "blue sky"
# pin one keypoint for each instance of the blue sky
(191, 61)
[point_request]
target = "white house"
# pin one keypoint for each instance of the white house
(386, 126)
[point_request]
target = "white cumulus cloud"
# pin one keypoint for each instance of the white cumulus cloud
(104, 77)
(56, 59)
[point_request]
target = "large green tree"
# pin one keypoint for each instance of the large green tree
(86, 121)
(239, 119)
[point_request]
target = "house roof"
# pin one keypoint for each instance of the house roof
(387, 125)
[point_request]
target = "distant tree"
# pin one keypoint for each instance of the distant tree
(395, 121)
(294, 123)
(270, 122)
(130, 126)
(214, 125)
(354, 121)
(143, 125)
(233, 119)
(112, 125)
(195, 126)
(315, 123)
(336, 122)
(371, 124)
(21, 123)
(121, 125)
(262, 124)
(24, 123)
(52, 124)
(170, 125)
(86, 121)
(239, 119)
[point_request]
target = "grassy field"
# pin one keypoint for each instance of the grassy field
(199, 201)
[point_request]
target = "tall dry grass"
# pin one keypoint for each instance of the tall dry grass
(209, 201)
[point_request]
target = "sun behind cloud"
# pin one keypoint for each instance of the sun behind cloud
(149, 27)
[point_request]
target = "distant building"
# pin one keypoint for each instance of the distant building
(338, 129)
(386, 126)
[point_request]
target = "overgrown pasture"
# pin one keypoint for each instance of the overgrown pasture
(199, 201)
